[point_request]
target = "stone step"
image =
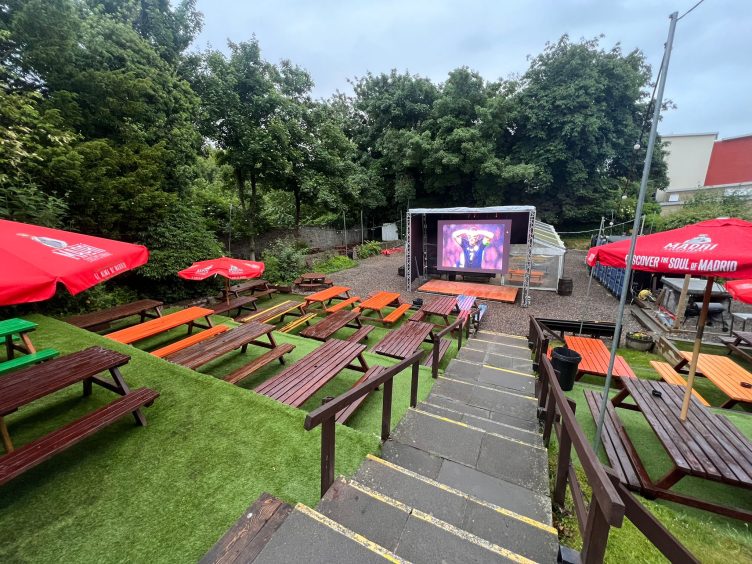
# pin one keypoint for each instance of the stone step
(308, 536)
(521, 406)
(503, 338)
(494, 454)
(502, 359)
(516, 498)
(525, 536)
(488, 375)
(406, 531)
(499, 416)
(533, 438)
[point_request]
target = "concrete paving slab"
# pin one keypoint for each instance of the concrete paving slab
(496, 338)
(522, 353)
(527, 423)
(411, 458)
(519, 383)
(443, 401)
(502, 361)
(439, 437)
(377, 521)
(450, 388)
(494, 490)
(514, 462)
(510, 403)
(471, 355)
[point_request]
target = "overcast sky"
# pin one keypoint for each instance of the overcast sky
(709, 79)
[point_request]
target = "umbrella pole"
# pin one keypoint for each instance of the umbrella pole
(696, 349)
(227, 290)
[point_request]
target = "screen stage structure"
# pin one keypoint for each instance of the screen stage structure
(431, 242)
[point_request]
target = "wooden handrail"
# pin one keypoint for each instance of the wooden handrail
(435, 351)
(326, 414)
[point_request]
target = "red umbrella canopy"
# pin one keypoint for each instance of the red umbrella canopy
(717, 247)
(234, 269)
(740, 290)
(36, 258)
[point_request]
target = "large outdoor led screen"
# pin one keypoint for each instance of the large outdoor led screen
(481, 246)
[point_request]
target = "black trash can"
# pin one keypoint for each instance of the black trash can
(565, 362)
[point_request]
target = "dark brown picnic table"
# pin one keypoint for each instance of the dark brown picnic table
(239, 337)
(441, 307)
(404, 341)
(741, 339)
(328, 326)
(296, 384)
(706, 445)
(101, 319)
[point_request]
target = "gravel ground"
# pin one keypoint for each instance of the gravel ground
(380, 273)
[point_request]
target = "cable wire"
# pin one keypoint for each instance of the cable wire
(688, 11)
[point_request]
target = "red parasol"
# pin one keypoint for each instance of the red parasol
(717, 247)
(36, 258)
(740, 290)
(230, 268)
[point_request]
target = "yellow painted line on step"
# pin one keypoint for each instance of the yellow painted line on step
(353, 536)
(501, 344)
(449, 489)
(469, 537)
(471, 348)
(527, 358)
(379, 496)
(486, 388)
(510, 371)
(473, 428)
(478, 417)
(502, 334)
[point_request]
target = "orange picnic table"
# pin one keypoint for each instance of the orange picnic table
(595, 356)
(726, 374)
(187, 316)
(379, 301)
(327, 295)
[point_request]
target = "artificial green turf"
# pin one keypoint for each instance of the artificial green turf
(166, 492)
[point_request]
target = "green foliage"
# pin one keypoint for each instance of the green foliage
(30, 205)
(334, 264)
(704, 205)
(284, 262)
(368, 249)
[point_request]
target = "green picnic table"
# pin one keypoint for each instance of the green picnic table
(16, 334)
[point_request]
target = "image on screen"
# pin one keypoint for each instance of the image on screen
(481, 246)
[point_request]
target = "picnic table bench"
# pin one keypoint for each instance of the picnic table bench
(188, 316)
(239, 337)
(441, 307)
(739, 340)
(243, 303)
(341, 292)
(595, 357)
(188, 341)
(311, 280)
(328, 326)
(257, 288)
(404, 341)
(102, 319)
(518, 275)
(296, 384)
(343, 304)
(706, 445)
(725, 374)
(382, 300)
(34, 382)
(281, 310)
(13, 330)
(668, 374)
(344, 414)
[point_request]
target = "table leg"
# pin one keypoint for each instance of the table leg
(729, 403)
(671, 477)
(27, 343)
(124, 389)
(7, 443)
(363, 364)
(9, 347)
(620, 397)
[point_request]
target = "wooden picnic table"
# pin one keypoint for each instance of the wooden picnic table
(101, 319)
(278, 312)
(327, 296)
(441, 307)
(726, 374)
(296, 384)
(239, 337)
(404, 341)
(378, 302)
(739, 340)
(187, 316)
(595, 357)
(257, 288)
(706, 445)
(328, 326)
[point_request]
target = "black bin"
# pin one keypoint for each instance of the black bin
(565, 362)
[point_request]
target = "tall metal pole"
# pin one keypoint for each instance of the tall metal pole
(229, 234)
(636, 225)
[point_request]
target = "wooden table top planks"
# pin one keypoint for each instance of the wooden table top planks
(404, 341)
(327, 295)
(204, 352)
(379, 301)
(726, 374)
(442, 306)
(160, 325)
(328, 326)
(595, 356)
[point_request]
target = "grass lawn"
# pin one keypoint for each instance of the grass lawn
(167, 492)
(710, 537)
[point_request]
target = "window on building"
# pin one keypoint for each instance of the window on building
(673, 197)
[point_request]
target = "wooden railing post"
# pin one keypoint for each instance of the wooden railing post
(386, 412)
(549, 419)
(595, 539)
(414, 385)
(435, 353)
(562, 466)
(327, 454)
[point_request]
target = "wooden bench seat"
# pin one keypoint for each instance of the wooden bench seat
(247, 369)
(613, 437)
(188, 316)
(281, 310)
(269, 293)
(668, 374)
(188, 341)
(418, 316)
(36, 452)
(398, 312)
(247, 303)
(303, 319)
(344, 414)
(343, 304)
(311, 285)
(27, 360)
(361, 334)
(104, 317)
(443, 348)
